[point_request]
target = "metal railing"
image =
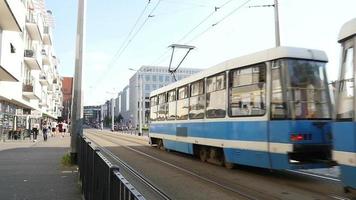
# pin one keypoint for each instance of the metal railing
(99, 178)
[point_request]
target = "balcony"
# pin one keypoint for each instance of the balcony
(12, 15)
(47, 36)
(32, 60)
(45, 57)
(50, 89)
(32, 26)
(44, 80)
(43, 103)
(28, 89)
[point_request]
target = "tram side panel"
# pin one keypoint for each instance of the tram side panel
(266, 144)
(344, 151)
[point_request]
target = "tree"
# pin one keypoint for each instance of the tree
(118, 119)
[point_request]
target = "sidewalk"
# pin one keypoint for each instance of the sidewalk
(31, 170)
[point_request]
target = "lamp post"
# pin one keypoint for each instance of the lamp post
(77, 105)
(112, 110)
(139, 95)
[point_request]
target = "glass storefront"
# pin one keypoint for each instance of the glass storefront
(7, 118)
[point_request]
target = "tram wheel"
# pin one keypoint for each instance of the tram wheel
(229, 165)
(203, 154)
(160, 144)
(346, 190)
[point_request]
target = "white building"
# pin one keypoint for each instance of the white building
(122, 105)
(30, 86)
(151, 78)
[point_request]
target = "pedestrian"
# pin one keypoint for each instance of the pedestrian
(44, 131)
(65, 127)
(35, 128)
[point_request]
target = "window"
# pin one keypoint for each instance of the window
(247, 91)
(299, 90)
(278, 105)
(346, 87)
(171, 108)
(153, 112)
(216, 96)
(154, 78)
(147, 77)
(12, 48)
(162, 103)
(197, 100)
(182, 103)
(160, 77)
(147, 87)
(154, 86)
(167, 78)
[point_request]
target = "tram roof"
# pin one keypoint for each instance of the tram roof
(250, 59)
(347, 30)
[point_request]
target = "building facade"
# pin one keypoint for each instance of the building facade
(30, 85)
(122, 105)
(147, 79)
(92, 115)
(67, 89)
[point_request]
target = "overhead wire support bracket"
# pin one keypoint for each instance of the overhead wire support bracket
(179, 46)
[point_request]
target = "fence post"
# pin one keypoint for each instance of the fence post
(110, 181)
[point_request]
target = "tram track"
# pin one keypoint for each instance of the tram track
(241, 191)
(136, 174)
(132, 140)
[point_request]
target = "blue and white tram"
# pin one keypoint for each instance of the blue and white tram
(344, 128)
(270, 109)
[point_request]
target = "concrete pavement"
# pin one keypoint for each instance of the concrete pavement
(33, 171)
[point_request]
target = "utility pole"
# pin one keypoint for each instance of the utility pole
(139, 86)
(77, 105)
(112, 114)
(276, 23)
(140, 104)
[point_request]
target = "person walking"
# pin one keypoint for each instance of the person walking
(44, 131)
(35, 128)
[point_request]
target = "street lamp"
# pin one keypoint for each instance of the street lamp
(112, 110)
(139, 98)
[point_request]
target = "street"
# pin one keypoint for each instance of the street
(180, 176)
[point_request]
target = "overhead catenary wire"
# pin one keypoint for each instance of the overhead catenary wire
(219, 21)
(130, 32)
(216, 8)
(118, 55)
(208, 28)
(150, 15)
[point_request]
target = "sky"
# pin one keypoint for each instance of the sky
(240, 30)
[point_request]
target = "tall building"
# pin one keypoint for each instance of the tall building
(147, 79)
(92, 115)
(67, 89)
(30, 86)
(122, 105)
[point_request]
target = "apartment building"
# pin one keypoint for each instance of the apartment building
(30, 85)
(67, 90)
(147, 79)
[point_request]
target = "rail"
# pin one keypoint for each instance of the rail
(101, 179)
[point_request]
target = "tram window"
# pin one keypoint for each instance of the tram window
(182, 103)
(171, 112)
(247, 91)
(162, 103)
(346, 87)
(197, 100)
(215, 96)
(153, 110)
(278, 105)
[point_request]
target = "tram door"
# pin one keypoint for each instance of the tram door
(344, 128)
